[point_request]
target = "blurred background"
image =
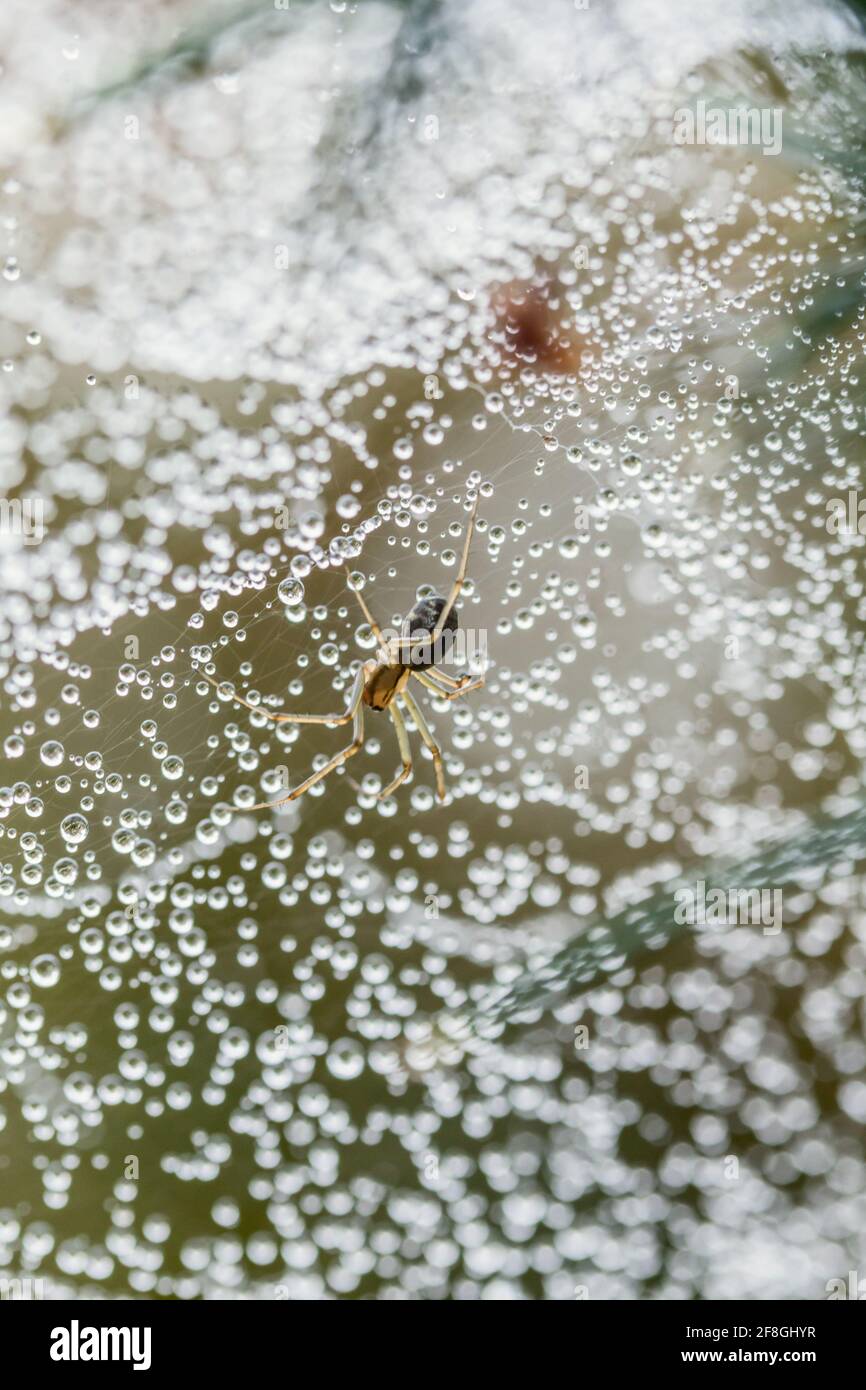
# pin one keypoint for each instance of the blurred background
(285, 286)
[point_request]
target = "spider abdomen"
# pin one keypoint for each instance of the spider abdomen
(419, 626)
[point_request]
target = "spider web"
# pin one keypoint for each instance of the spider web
(615, 344)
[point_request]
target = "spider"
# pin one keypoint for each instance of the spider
(379, 685)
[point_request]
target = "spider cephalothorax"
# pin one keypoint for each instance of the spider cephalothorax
(427, 634)
(418, 627)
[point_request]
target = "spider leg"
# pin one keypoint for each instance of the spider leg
(343, 718)
(443, 676)
(426, 679)
(405, 751)
(377, 631)
(333, 763)
(459, 578)
(424, 731)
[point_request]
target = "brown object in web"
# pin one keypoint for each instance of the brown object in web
(529, 331)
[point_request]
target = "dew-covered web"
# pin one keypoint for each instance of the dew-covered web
(282, 299)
